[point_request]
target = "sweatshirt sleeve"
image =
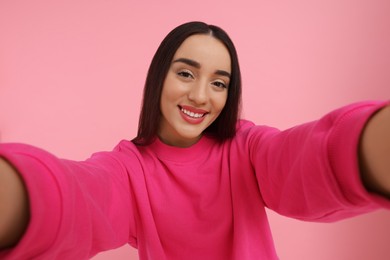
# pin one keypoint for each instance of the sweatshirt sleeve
(77, 209)
(311, 172)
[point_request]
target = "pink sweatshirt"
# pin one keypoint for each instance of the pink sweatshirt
(203, 202)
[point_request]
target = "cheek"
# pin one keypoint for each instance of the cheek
(166, 95)
(220, 102)
(164, 104)
(167, 100)
(171, 90)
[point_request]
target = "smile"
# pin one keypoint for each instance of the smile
(192, 114)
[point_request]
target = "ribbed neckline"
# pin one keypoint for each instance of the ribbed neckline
(180, 154)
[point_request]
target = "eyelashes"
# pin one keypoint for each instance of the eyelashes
(188, 75)
(219, 84)
(185, 74)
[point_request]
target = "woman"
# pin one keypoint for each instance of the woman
(195, 181)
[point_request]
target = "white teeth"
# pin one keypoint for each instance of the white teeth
(191, 114)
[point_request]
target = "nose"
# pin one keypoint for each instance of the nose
(198, 93)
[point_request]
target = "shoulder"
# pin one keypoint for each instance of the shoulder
(244, 124)
(253, 136)
(126, 146)
(248, 128)
(125, 154)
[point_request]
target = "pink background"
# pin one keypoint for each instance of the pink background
(72, 73)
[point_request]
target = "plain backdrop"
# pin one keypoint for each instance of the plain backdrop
(72, 73)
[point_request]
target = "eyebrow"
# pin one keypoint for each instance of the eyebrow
(196, 64)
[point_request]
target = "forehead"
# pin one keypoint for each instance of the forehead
(206, 50)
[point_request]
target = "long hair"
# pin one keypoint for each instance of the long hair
(224, 126)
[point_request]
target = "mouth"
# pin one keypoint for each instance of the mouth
(192, 114)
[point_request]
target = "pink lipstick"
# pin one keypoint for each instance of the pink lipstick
(192, 115)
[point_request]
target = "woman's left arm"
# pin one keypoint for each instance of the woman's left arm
(374, 153)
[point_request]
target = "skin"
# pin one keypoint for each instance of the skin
(197, 80)
(374, 153)
(199, 87)
(13, 205)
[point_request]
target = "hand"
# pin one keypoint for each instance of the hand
(374, 153)
(14, 210)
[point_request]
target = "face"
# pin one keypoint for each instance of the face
(195, 90)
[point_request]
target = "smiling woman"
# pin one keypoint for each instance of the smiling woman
(196, 180)
(195, 90)
(165, 60)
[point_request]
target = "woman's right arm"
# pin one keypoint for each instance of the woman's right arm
(14, 210)
(74, 209)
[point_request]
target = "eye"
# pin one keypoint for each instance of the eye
(219, 84)
(185, 74)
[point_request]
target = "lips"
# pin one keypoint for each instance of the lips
(192, 115)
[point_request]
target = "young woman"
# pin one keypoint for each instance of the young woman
(195, 181)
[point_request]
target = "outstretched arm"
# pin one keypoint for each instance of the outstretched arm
(13, 206)
(71, 209)
(375, 153)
